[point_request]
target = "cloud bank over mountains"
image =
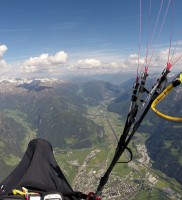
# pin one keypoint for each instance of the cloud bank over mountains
(62, 63)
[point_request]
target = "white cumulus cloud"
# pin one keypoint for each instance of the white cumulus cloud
(89, 63)
(91, 66)
(133, 59)
(3, 49)
(52, 65)
(160, 59)
(45, 61)
(156, 61)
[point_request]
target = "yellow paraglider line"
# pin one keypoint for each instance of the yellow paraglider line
(163, 94)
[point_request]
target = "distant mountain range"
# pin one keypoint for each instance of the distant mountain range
(57, 110)
(114, 78)
(52, 109)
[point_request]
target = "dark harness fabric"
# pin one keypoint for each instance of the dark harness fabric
(38, 169)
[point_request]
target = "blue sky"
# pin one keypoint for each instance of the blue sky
(47, 37)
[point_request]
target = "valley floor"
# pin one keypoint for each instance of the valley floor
(136, 180)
